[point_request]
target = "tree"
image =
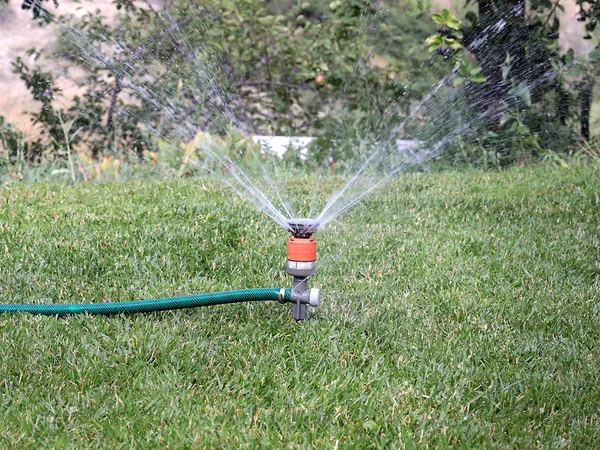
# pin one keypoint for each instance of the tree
(38, 9)
(525, 84)
(206, 66)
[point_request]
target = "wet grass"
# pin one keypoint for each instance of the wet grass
(460, 310)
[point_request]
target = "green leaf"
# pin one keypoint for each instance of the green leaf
(453, 23)
(419, 7)
(506, 119)
(435, 40)
(523, 129)
(505, 72)
(525, 93)
(458, 81)
(595, 54)
(453, 44)
(575, 71)
(569, 57)
(472, 17)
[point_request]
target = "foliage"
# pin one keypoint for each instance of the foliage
(259, 72)
(347, 72)
(592, 150)
(285, 71)
(446, 42)
(507, 62)
(589, 12)
(12, 143)
(39, 10)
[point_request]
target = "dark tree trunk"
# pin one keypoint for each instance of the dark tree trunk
(562, 103)
(586, 96)
(110, 120)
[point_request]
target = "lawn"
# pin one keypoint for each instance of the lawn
(460, 309)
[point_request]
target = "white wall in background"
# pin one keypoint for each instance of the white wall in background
(279, 144)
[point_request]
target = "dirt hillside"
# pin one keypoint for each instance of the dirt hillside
(18, 33)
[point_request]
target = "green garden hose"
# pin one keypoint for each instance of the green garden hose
(161, 304)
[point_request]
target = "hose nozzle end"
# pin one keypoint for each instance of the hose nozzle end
(314, 297)
(310, 297)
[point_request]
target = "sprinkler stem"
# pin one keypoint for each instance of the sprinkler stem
(299, 308)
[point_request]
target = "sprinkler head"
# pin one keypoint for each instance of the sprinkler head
(303, 228)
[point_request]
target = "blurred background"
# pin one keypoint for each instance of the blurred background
(509, 67)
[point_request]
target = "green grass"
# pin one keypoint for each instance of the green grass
(459, 310)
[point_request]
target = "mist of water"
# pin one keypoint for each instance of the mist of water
(261, 177)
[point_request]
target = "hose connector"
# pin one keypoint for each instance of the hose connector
(281, 296)
(311, 297)
(314, 298)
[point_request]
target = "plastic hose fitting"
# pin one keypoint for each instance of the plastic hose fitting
(301, 264)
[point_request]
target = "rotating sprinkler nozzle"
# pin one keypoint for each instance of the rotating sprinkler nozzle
(303, 228)
(301, 264)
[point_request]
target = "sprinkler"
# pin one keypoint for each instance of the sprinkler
(302, 253)
(301, 264)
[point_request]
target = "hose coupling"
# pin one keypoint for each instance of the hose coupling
(281, 296)
(311, 297)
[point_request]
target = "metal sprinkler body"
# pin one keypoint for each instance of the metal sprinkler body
(301, 264)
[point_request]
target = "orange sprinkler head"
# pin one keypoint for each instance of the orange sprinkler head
(303, 250)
